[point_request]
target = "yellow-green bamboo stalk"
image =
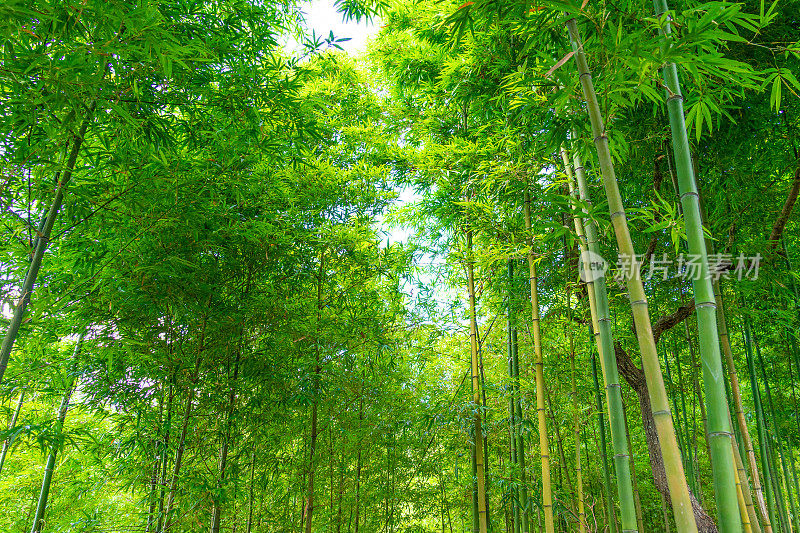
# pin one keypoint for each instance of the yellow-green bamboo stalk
(577, 425)
(544, 446)
(747, 494)
(601, 330)
(745, 518)
(476, 395)
(676, 479)
(733, 378)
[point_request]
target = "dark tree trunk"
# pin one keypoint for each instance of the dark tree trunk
(635, 378)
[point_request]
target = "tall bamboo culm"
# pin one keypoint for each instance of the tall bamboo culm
(520, 445)
(544, 446)
(476, 395)
(720, 435)
(736, 393)
(602, 444)
(12, 423)
(576, 421)
(42, 240)
(519, 492)
(757, 514)
(44, 494)
(601, 331)
(676, 479)
(760, 425)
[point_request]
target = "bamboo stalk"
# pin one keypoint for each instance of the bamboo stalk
(637, 502)
(687, 447)
(12, 423)
(781, 456)
(179, 450)
(762, 441)
(164, 452)
(45, 230)
(736, 393)
(41, 506)
(524, 502)
(250, 498)
(577, 425)
(514, 518)
(601, 332)
(216, 514)
(719, 430)
(676, 479)
(744, 486)
(544, 446)
(522, 511)
(476, 399)
(603, 457)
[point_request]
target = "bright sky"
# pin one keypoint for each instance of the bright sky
(322, 17)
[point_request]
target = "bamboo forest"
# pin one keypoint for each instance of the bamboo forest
(400, 266)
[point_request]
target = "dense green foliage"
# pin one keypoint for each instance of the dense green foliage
(209, 322)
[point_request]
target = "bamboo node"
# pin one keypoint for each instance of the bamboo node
(662, 412)
(720, 434)
(711, 304)
(615, 214)
(690, 193)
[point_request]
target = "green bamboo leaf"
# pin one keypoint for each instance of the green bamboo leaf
(775, 94)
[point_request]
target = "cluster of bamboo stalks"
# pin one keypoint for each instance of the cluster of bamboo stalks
(744, 501)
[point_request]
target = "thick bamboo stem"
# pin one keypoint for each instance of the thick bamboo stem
(676, 479)
(720, 435)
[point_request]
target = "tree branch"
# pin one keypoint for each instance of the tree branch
(786, 211)
(670, 321)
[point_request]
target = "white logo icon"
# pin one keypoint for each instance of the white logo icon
(592, 266)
